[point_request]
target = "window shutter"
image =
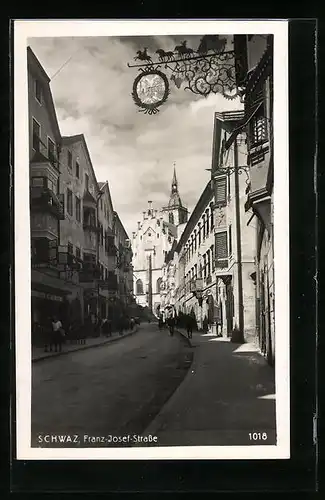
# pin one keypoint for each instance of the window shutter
(221, 194)
(221, 246)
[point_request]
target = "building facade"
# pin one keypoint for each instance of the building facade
(214, 257)
(254, 61)
(75, 254)
(151, 243)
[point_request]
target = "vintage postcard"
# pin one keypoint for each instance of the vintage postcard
(151, 239)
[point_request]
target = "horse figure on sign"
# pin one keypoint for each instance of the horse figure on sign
(143, 56)
(164, 55)
(183, 50)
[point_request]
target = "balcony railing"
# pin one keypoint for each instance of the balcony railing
(46, 200)
(208, 279)
(221, 263)
(90, 225)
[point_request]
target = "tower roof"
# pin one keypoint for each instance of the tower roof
(175, 199)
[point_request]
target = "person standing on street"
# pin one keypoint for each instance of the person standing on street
(58, 334)
(171, 324)
(189, 326)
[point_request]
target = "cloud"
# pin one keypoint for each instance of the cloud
(92, 87)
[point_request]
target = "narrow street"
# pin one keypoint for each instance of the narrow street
(116, 389)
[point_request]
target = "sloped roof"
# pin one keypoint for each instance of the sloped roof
(72, 139)
(34, 66)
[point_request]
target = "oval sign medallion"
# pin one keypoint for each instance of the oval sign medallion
(150, 90)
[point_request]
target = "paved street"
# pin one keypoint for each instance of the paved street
(116, 389)
(227, 398)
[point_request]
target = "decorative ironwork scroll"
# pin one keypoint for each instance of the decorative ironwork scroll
(200, 71)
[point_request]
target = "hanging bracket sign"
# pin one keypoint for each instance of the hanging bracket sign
(150, 90)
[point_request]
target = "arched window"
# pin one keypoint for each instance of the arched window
(159, 280)
(171, 217)
(139, 287)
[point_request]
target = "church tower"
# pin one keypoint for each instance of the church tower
(175, 213)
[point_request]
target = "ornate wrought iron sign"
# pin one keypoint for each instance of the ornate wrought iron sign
(150, 90)
(199, 71)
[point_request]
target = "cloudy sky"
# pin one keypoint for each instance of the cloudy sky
(134, 151)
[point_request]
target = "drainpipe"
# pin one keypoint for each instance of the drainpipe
(239, 252)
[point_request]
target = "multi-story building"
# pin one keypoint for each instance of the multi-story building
(215, 254)
(151, 243)
(254, 63)
(46, 204)
(124, 268)
(76, 269)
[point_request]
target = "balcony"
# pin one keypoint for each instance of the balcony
(45, 200)
(89, 201)
(221, 263)
(90, 226)
(208, 279)
(109, 283)
(89, 273)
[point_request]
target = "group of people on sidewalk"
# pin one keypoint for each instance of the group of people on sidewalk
(55, 335)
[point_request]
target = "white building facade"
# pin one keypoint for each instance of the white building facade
(151, 243)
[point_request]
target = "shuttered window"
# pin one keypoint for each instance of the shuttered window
(221, 191)
(221, 246)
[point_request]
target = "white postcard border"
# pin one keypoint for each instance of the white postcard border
(23, 29)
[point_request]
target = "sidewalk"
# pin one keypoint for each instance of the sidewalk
(228, 393)
(38, 352)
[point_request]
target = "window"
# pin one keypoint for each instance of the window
(78, 209)
(199, 234)
(69, 202)
(230, 240)
(159, 280)
(171, 218)
(203, 226)
(208, 263)
(221, 245)
(77, 170)
(70, 248)
(212, 258)
(204, 266)
(50, 185)
(38, 181)
(69, 160)
(221, 191)
(50, 150)
(36, 135)
(86, 182)
(207, 221)
(258, 126)
(78, 253)
(195, 271)
(157, 235)
(38, 91)
(211, 216)
(139, 287)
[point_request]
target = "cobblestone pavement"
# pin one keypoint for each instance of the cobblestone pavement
(113, 390)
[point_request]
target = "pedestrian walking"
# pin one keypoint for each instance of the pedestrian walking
(171, 324)
(58, 334)
(121, 325)
(189, 326)
(132, 323)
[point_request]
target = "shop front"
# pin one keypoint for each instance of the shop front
(46, 302)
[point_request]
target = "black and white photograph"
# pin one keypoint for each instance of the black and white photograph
(151, 239)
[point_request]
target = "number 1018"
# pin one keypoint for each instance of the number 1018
(257, 436)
